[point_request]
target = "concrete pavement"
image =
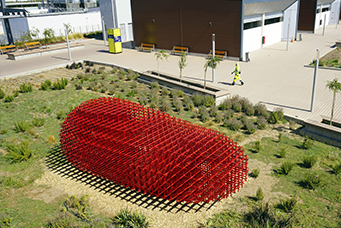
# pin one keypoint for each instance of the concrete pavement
(274, 76)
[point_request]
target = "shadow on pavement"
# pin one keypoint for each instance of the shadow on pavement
(57, 162)
(285, 106)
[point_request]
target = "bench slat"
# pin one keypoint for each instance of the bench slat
(220, 54)
(8, 48)
(179, 49)
(145, 46)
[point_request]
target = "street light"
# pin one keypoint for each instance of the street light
(213, 55)
(315, 78)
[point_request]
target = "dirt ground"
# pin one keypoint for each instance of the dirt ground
(52, 185)
(334, 54)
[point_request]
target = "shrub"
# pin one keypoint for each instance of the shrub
(78, 87)
(259, 194)
(204, 117)
(280, 137)
(276, 116)
(282, 153)
(38, 122)
(164, 91)
(2, 94)
(213, 111)
(226, 104)
(21, 126)
(131, 76)
(132, 93)
(250, 127)
(195, 115)
(3, 131)
(233, 124)
(289, 204)
(45, 86)
(60, 84)
(218, 119)
(16, 93)
(153, 105)
(155, 85)
(336, 169)
(208, 101)
(18, 153)
(127, 219)
(258, 146)
(264, 216)
(197, 99)
(254, 173)
(165, 106)
(25, 88)
(228, 114)
(51, 140)
(9, 98)
(143, 100)
(122, 72)
(237, 107)
(249, 110)
(261, 110)
(309, 161)
(261, 122)
(189, 105)
(307, 143)
(312, 181)
(285, 168)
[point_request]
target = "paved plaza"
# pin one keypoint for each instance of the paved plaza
(274, 76)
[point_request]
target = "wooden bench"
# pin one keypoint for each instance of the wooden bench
(32, 45)
(8, 48)
(147, 47)
(219, 54)
(179, 49)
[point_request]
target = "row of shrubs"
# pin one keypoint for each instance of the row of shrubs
(24, 88)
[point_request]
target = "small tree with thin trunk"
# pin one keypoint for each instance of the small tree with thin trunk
(211, 62)
(182, 63)
(334, 86)
(161, 55)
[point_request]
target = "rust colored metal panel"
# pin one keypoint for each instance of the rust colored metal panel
(152, 152)
(186, 23)
(307, 13)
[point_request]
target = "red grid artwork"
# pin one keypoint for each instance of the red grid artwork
(152, 152)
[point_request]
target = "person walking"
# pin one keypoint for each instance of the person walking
(237, 75)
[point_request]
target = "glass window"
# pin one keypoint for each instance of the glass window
(251, 25)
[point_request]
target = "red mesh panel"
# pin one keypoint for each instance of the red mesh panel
(152, 152)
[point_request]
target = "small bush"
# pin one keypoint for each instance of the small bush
(285, 168)
(307, 143)
(280, 137)
(51, 140)
(261, 110)
(208, 101)
(250, 127)
(164, 91)
(237, 107)
(197, 99)
(132, 93)
(259, 194)
(261, 122)
(249, 110)
(213, 111)
(8, 98)
(127, 219)
(25, 88)
(204, 117)
(60, 84)
(233, 124)
(21, 126)
(289, 204)
(165, 106)
(282, 153)
(276, 116)
(78, 87)
(258, 146)
(60, 115)
(312, 181)
(153, 105)
(155, 85)
(131, 76)
(336, 169)
(3, 131)
(228, 114)
(309, 161)
(189, 105)
(38, 122)
(143, 100)
(2, 94)
(218, 119)
(254, 173)
(16, 93)
(18, 153)
(226, 104)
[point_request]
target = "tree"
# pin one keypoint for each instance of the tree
(182, 63)
(334, 86)
(30, 35)
(48, 35)
(211, 62)
(161, 55)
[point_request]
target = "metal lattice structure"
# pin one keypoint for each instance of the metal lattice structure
(152, 152)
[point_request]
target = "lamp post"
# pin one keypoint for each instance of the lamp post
(104, 32)
(315, 78)
(67, 41)
(213, 55)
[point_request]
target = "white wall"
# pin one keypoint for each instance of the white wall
(290, 13)
(82, 23)
(252, 39)
(320, 17)
(334, 12)
(272, 33)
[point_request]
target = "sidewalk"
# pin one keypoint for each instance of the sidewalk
(274, 76)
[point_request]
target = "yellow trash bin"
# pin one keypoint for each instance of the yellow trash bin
(114, 40)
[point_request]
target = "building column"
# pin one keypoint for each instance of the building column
(263, 23)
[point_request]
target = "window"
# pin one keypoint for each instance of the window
(273, 20)
(253, 24)
(325, 9)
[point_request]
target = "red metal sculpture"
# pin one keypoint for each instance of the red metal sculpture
(152, 152)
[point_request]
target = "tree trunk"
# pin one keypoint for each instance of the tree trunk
(180, 74)
(158, 68)
(205, 79)
(333, 105)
